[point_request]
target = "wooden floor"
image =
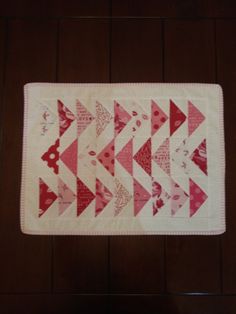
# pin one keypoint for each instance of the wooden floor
(114, 41)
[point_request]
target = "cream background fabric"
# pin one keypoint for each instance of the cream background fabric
(210, 218)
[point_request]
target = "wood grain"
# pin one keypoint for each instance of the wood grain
(80, 263)
(175, 8)
(31, 53)
(53, 304)
(144, 41)
(192, 262)
(2, 72)
(137, 263)
(161, 304)
(54, 8)
(226, 65)
(136, 51)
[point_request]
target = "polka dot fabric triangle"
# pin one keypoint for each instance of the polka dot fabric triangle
(110, 159)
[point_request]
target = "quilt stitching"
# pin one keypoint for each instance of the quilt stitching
(121, 119)
(184, 193)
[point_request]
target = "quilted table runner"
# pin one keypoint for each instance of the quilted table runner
(110, 159)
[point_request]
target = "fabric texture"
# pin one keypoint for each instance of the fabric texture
(123, 159)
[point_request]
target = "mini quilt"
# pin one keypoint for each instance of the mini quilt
(113, 159)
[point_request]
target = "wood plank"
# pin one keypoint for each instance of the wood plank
(84, 51)
(226, 49)
(2, 51)
(31, 53)
(192, 261)
(2, 71)
(73, 304)
(174, 8)
(32, 304)
(189, 51)
(136, 262)
(80, 263)
(52, 303)
(173, 304)
(136, 51)
(54, 8)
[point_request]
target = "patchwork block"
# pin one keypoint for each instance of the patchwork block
(123, 159)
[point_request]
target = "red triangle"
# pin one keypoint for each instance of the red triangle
(122, 117)
(66, 117)
(125, 157)
(141, 197)
(199, 156)
(84, 117)
(46, 197)
(51, 156)
(195, 118)
(103, 197)
(159, 196)
(178, 197)
(158, 117)
(197, 197)
(162, 156)
(143, 157)
(69, 157)
(106, 157)
(65, 196)
(177, 117)
(84, 196)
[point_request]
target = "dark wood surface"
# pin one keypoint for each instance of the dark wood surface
(226, 74)
(25, 263)
(81, 263)
(114, 41)
(190, 57)
(136, 56)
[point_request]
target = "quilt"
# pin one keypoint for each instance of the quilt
(113, 159)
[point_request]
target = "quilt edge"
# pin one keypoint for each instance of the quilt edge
(23, 226)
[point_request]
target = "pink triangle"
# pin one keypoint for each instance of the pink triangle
(65, 196)
(84, 197)
(162, 156)
(197, 197)
(125, 157)
(122, 117)
(66, 117)
(195, 118)
(158, 117)
(199, 156)
(84, 117)
(103, 197)
(177, 117)
(143, 157)
(106, 157)
(69, 157)
(46, 197)
(103, 117)
(122, 197)
(141, 197)
(178, 197)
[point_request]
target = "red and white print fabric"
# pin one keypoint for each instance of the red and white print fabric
(122, 159)
(143, 156)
